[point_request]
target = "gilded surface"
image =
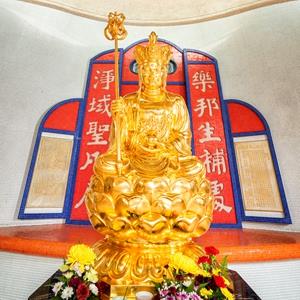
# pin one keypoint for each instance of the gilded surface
(156, 196)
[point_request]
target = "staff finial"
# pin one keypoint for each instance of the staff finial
(115, 29)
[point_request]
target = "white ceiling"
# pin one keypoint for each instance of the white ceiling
(157, 12)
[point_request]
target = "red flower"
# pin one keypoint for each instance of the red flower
(211, 250)
(82, 292)
(204, 259)
(74, 282)
(220, 282)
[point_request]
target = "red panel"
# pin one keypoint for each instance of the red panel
(107, 56)
(243, 119)
(194, 56)
(96, 127)
(64, 117)
(209, 138)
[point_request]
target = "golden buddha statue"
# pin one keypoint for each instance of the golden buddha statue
(148, 194)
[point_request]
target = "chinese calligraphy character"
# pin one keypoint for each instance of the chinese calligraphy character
(202, 79)
(220, 205)
(218, 162)
(206, 103)
(214, 162)
(216, 188)
(208, 131)
(206, 157)
(81, 200)
(101, 105)
(96, 131)
(90, 158)
(103, 78)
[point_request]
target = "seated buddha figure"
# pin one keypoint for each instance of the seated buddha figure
(154, 190)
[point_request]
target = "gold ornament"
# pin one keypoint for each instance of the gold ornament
(153, 52)
(148, 193)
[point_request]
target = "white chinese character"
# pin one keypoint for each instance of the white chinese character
(214, 162)
(81, 200)
(101, 105)
(96, 131)
(220, 205)
(208, 131)
(206, 157)
(90, 158)
(218, 162)
(203, 104)
(216, 188)
(202, 79)
(103, 78)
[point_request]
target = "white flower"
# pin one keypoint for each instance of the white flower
(91, 276)
(76, 268)
(187, 282)
(67, 293)
(93, 289)
(93, 271)
(68, 275)
(87, 267)
(57, 287)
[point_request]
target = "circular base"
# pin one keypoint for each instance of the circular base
(122, 263)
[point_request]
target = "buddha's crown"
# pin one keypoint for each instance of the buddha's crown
(152, 52)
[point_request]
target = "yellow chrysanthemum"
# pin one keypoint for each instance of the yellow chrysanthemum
(216, 271)
(184, 263)
(205, 292)
(204, 273)
(82, 254)
(227, 294)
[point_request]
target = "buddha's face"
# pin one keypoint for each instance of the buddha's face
(153, 74)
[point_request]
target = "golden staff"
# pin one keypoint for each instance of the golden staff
(116, 31)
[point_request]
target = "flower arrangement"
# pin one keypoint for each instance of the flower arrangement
(204, 279)
(78, 279)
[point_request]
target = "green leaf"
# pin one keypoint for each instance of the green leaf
(224, 263)
(219, 295)
(190, 288)
(202, 285)
(62, 278)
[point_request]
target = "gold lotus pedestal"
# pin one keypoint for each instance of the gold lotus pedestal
(149, 195)
(129, 268)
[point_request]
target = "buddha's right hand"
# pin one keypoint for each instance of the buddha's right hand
(117, 107)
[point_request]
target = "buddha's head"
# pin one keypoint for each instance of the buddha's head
(153, 63)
